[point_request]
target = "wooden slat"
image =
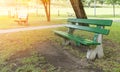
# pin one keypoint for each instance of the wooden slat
(91, 21)
(90, 29)
(76, 38)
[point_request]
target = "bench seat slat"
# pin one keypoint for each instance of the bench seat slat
(91, 21)
(76, 38)
(90, 29)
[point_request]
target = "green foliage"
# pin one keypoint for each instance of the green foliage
(101, 1)
(89, 2)
(112, 1)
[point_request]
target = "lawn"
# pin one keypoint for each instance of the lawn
(8, 22)
(23, 42)
(12, 43)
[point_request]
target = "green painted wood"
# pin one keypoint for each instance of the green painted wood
(77, 39)
(90, 29)
(91, 21)
(95, 37)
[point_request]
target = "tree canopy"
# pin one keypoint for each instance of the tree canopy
(113, 1)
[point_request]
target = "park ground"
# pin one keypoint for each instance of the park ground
(42, 51)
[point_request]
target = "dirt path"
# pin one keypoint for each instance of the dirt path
(29, 28)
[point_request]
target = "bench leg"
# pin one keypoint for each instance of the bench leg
(97, 52)
(66, 42)
(91, 54)
(70, 31)
(99, 48)
(26, 23)
(19, 22)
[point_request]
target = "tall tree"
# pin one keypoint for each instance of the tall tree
(113, 2)
(78, 8)
(101, 1)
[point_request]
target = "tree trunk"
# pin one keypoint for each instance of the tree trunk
(113, 9)
(89, 4)
(78, 8)
(46, 4)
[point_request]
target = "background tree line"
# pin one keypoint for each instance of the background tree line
(112, 2)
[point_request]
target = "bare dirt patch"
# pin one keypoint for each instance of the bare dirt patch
(57, 56)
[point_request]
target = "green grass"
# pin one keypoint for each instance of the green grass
(13, 43)
(105, 16)
(8, 22)
(115, 32)
(33, 63)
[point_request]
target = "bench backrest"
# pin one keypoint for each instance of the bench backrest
(92, 21)
(99, 28)
(22, 14)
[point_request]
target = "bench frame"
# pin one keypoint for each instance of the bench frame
(22, 19)
(91, 53)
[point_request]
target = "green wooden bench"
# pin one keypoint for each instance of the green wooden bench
(95, 26)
